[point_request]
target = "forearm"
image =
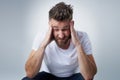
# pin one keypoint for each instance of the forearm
(34, 62)
(87, 67)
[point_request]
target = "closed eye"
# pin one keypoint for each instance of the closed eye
(64, 29)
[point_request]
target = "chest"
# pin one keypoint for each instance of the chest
(61, 59)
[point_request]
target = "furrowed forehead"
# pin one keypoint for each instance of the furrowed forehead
(61, 27)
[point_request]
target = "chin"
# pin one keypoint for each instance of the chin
(60, 44)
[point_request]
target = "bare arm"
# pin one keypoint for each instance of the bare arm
(87, 64)
(34, 61)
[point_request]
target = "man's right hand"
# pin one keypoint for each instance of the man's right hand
(48, 38)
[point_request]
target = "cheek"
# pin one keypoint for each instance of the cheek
(68, 33)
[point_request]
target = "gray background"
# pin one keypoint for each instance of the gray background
(20, 20)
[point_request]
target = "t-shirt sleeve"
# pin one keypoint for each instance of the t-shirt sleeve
(38, 40)
(86, 44)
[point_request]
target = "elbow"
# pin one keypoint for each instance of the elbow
(29, 75)
(89, 76)
(29, 72)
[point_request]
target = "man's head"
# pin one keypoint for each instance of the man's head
(60, 17)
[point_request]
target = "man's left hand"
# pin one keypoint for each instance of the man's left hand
(74, 35)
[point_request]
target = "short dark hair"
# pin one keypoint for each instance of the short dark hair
(61, 12)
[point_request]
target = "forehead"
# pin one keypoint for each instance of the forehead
(59, 24)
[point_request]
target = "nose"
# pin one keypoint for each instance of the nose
(61, 35)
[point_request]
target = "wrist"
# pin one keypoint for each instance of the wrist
(79, 47)
(77, 43)
(43, 46)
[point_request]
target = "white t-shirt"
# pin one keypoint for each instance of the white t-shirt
(60, 62)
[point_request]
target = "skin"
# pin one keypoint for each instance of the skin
(62, 32)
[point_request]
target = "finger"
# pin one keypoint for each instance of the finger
(72, 27)
(51, 33)
(71, 24)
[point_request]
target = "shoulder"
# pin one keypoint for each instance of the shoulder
(85, 41)
(39, 37)
(81, 34)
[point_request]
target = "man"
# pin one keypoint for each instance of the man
(65, 52)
